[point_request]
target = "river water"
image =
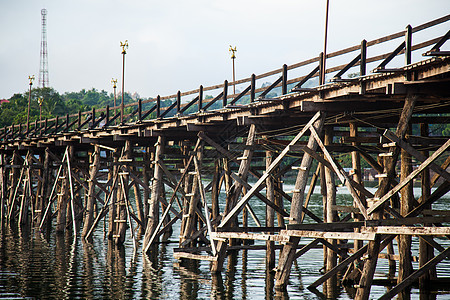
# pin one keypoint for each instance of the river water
(34, 265)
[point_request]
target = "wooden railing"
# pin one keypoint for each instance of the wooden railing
(107, 117)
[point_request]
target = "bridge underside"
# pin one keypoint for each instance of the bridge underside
(206, 173)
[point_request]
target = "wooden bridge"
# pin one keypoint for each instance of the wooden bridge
(151, 167)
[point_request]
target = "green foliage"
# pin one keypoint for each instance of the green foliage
(54, 104)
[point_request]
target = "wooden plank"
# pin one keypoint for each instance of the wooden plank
(335, 226)
(249, 236)
(179, 255)
(365, 236)
(402, 230)
(408, 221)
(410, 177)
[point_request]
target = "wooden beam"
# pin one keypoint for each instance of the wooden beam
(365, 236)
(239, 206)
(179, 255)
(410, 149)
(402, 230)
(415, 275)
(410, 177)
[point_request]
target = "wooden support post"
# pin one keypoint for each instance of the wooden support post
(63, 195)
(406, 205)
(178, 101)
(284, 80)
(356, 167)
(113, 192)
(200, 98)
(215, 191)
(145, 177)
(330, 217)
(426, 251)
(253, 88)
(138, 198)
(321, 70)
(89, 208)
(278, 197)
(288, 253)
(193, 201)
(233, 195)
(365, 283)
(158, 106)
(153, 213)
(3, 186)
(122, 205)
(13, 183)
(225, 94)
(270, 214)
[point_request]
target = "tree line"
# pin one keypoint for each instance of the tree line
(54, 104)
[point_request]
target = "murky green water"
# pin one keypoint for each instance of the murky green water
(38, 266)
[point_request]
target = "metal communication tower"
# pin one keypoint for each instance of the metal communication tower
(43, 70)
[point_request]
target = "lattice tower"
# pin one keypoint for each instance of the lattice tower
(43, 70)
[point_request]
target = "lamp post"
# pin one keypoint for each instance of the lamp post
(114, 81)
(233, 57)
(124, 48)
(30, 78)
(322, 76)
(40, 101)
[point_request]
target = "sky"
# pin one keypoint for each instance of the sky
(179, 45)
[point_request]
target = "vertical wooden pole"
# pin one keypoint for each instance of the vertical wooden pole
(185, 148)
(137, 196)
(357, 175)
(426, 251)
(193, 202)
(14, 181)
(215, 192)
(234, 193)
(406, 205)
(366, 280)
(253, 88)
(363, 65)
(153, 213)
(122, 213)
(89, 208)
(288, 253)
(284, 80)
(3, 187)
(331, 201)
(63, 195)
(200, 98)
(114, 191)
(225, 93)
(278, 184)
(145, 177)
(270, 214)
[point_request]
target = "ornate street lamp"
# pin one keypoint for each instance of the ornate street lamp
(30, 78)
(124, 48)
(233, 57)
(114, 81)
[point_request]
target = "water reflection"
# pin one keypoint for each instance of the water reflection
(48, 265)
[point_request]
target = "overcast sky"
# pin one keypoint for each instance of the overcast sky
(178, 45)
